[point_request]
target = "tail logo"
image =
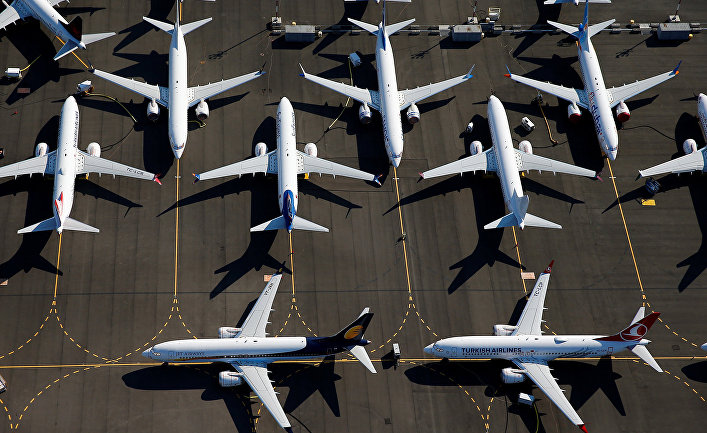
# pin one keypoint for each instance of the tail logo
(634, 333)
(59, 204)
(354, 332)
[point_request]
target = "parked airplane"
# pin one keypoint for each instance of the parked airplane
(530, 351)
(249, 351)
(507, 161)
(595, 97)
(177, 97)
(43, 10)
(692, 160)
(287, 162)
(388, 100)
(65, 163)
(576, 2)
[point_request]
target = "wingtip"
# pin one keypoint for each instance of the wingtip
(377, 179)
(581, 426)
(549, 267)
(157, 179)
(196, 177)
(422, 175)
(676, 70)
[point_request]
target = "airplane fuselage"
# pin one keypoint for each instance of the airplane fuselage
(389, 98)
(598, 100)
(287, 192)
(65, 163)
(47, 15)
(177, 103)
(702, 113)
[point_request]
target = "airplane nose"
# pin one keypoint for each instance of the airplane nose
(396, 161)
(146, 353)
(612, 154)
(178, 152)
(429, 350)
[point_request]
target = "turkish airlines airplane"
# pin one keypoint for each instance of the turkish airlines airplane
(595, 97)
(507, 161)
(286, 162)
(692, 160)
(65, 163)
(525, 346)
(388, 100)
(249, 350)
(43, 10)
(177, 97)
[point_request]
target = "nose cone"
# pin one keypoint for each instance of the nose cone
(178, 151)
(146, 353)
(429, 350)
(612, 154)
(396, 161)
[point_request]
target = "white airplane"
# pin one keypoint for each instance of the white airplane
(507, 161)
(530, 351)
(287, 162)
(65, 163)
(595, 97)
(249, 350)
(388, 100)
(177, 97)
(692, 160)
(576, 2)
(43, 10)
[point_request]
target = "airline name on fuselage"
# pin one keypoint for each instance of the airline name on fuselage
(189, 354)
(490, 350)
(76, 130)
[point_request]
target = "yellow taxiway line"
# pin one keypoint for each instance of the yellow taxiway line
(75, 55)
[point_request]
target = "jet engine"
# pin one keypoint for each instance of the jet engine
(622, 113)
(228, 332)
(153, 111)
(311, 149)
(228, 379)
(364, 114)
(476, 147)
(41, 149)
(261, 149)
(526, 147)
(508, 375)
(689, 146)
(202, 111)
(503, 330)
(573, 113)
(413, 114)
(94, 149)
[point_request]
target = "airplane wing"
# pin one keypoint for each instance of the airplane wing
(532, 316)
(86, 163)
(256, 375)
(578, 96)
(149, 91)
(369, 97)
(528, 161)
(56, 2)
(312, 164)
(254, 325)
(39, 164)
(627, 91)
(540, 374)
(485, 161)
(412, 96)
(10, 15)
(694, 161)
(199, 93)
(260, 164)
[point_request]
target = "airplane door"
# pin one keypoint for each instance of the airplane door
(171, 355)
(454, 351)
(610, 350)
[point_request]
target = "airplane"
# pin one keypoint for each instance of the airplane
(177, 97)
(507, 161)
(65, 163)
(692, 160)
(576, 2)
(390, 101)
(287, 162)
(43, 10)
(595, 97)
(249, 350)
(525, 346)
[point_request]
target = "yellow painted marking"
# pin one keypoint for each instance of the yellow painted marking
(176, 227)
(648, 202)
(58, 257)
(515, 240)
(75, 55)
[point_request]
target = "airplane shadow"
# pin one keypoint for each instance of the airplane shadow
(159, 10)
(87, 187)
(353, 10)
(304, 380)
(545, 12)
(696, 371)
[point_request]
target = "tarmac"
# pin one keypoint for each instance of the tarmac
(178, 261)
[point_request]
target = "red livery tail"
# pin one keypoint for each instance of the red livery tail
(635, 331)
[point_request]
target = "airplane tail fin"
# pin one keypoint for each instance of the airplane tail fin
(297, 223)
(75, 28)
(636, 330)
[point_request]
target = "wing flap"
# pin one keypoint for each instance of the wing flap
(257, 378)
(9, 15)
(199, 93)
(260, 164)
(38, 165)
(577, 96)
(313, 164)
(93, 164)
(254, 325)
(528, 161)
(369, 97)
(485, 161)
(412, 96)
(695, 161)
(149, 91)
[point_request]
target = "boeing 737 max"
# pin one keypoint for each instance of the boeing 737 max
(525, 346)
(65, 163)
(507, 161)
(249, 350)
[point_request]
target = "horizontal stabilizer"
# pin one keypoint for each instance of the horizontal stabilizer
(643, 353)
(365, 26)
(44, 226)
(279, 223)
(165, 27)
(95, 37)
(393, 28)
(78, 226)
(535, 221)
(596, 28)
(359, 352)
(557, 2)
(572, 30)
(68, 47)
(187, 28)
(506, 221)
(302, 224)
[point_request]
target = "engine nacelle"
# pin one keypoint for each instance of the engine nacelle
(153, 111)
(622, 113)
(228, 379)
(41, 149)
(525, 146)
(476, 147)
(228, 332)
(413, 114)
(503, 330)
(202, 111)
(94, 149)
(689, 146)
(364, 114)
(261, 149)
(512, 375)
(573, 113)
(310, 149)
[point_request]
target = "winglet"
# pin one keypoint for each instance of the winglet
(583, 428)
(301, 67)
(196, 177)
(422, 175)
(157, 179)
(508, 75)
(377, 178)
(469, 74)
(676, 71)
(549, 268)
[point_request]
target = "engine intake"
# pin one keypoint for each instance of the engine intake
(94, 149)
(573, 113)
(526, 147)
(512, 375)
(229, 379)
(689, 146)
(228, 332)
(202, 111)
(364, 114)
(503, 330)
(622, 113)
(311, 149)
(41, 149)
(153, 111)
(413, 114)
(476, 147)
(261, 149)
